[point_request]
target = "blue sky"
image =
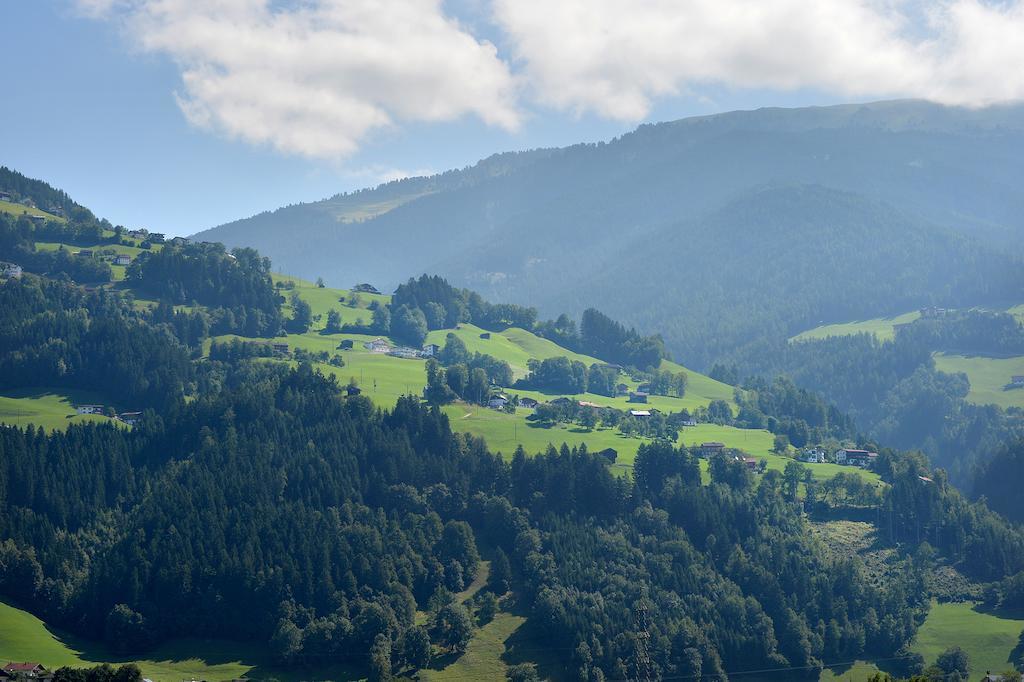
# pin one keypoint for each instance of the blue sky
(133, 111)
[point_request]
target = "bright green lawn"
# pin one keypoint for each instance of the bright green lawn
(988, 639)
(23, 637)
(988, 377)
(19, 209)
(882, 327)
(51, 408)
(483, 657)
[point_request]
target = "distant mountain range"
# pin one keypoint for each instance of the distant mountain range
(716, 231)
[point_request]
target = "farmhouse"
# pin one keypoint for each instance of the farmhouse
(640, 413)
(179, 241)
(854, 457)
(528, 402)
(156, 237)
(749, 462)
(587, 403)
(353, 390)
(280, 348)
(122, 259)
(130, 418)
(689, 422)
(5, 196)
(485, 335)
(405, 353)
(378, 345)
(89, 409)
(813, 456)
(497, 402)
(1017, 380)
(621, 389)
(637, 397)
(931, 312)
(431, 349)
(346, 344)
(37, 219)
(10, 271)
(365, 288)
(611, 454)
(29, 671)
(711, 448)
(644, 387)
(84, 253)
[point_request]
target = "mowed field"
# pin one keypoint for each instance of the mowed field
(51, 408)
(988, 638)
(988, 377)
(23, 637)
(20, 209)
(882, 327)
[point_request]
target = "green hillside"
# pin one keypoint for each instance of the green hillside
(20, 209)
(384, 378)
(23, 637)
(51, 408)
(882, 327)
(988, 376)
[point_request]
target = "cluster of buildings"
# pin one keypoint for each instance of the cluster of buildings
(130, 418)
(10, 271)
(933, 313)
(864, 459)
(382, 345)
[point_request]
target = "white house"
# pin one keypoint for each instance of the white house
(130, 418)
(89, 409)
(497, 402)
(378, 345)
(431, 349)
(10, 271)
(122, 259)
(813, 456)
(640, 413)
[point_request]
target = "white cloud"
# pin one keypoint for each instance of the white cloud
(317, 77)
(614, 57)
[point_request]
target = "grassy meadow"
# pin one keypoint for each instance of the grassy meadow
(882, 327)
(50, 408)
(20, 209)
(988, 377)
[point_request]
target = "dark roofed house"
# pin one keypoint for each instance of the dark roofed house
(281, 348)
(84, 253)
(156, 237)
(27, 671)
(179, 241)
(5, 196)
(346, 344)
(485, 335)
(365, 288)
(431, 349)
(353, 390)
(637, 397)
(621, 389)
(644, 387)
(711, 448)
(528, 402)
(750, 463)
(130, 418)
(38, 219)
(856, 457)
(611, 454)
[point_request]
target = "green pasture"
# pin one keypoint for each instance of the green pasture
(882, 327)
(20, 209)
(988, 376)
(51, 408)
(988, 638)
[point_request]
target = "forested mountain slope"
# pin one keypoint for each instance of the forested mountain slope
(560, 227)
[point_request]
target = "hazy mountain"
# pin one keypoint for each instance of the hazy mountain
(883, 205)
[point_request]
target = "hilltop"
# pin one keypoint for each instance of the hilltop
(560, 227)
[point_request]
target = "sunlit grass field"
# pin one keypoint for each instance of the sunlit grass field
(988, 377)
(50, 408)
(882, 327)
(20, 209)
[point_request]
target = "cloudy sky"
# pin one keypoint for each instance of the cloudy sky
(182, 114)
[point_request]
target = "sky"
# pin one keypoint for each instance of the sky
(178, 115)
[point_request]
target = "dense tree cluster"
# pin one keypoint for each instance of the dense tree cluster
(236, 287)
(18, 236)
(56, 334)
